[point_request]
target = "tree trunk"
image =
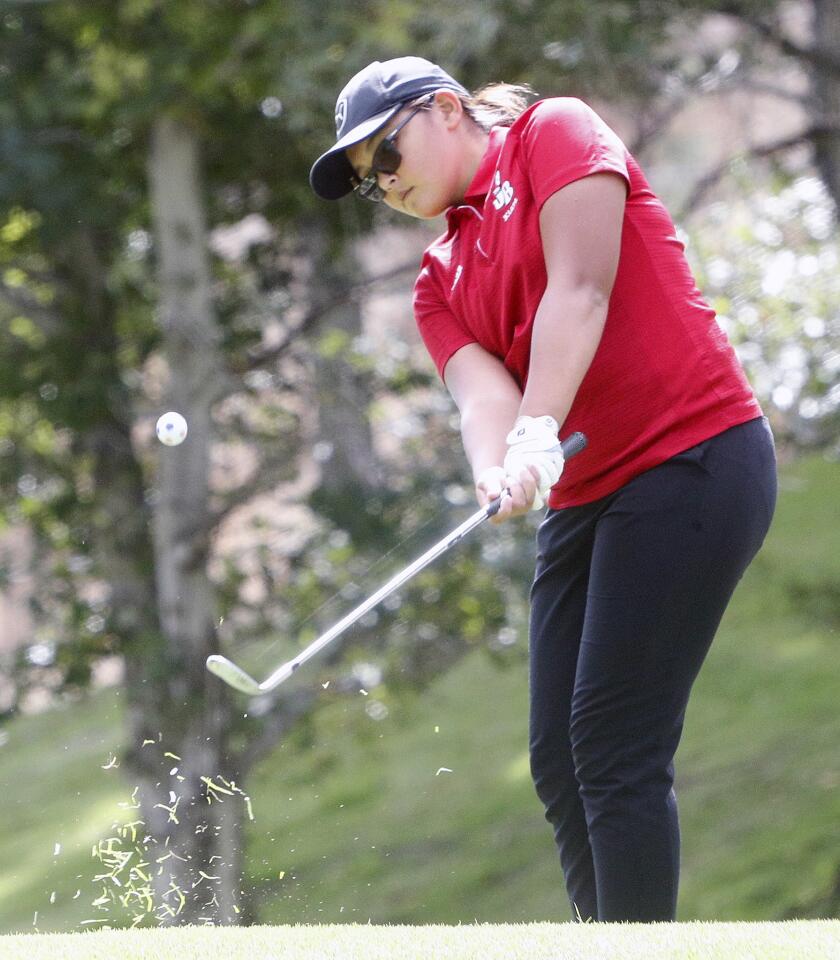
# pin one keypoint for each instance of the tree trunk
(341, 393)
(181, 712)
(826, 85)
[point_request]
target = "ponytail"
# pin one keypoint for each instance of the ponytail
(497, 104)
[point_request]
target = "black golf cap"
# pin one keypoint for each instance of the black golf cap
(365, 105)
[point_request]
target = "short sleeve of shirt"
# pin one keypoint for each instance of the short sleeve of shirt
(441, 331)
(552, 144)
(564, 140)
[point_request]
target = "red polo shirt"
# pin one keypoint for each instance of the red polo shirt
(664, 376)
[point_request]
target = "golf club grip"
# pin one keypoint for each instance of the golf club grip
(571, 446)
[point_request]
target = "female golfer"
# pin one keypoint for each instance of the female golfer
(559, 299)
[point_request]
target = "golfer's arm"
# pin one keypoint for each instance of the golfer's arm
(580, 226)
(488, 400)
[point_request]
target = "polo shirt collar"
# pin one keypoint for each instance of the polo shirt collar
(480, 185)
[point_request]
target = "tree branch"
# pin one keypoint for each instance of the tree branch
(264, 480)
(820, 57)
(654, 122)
(264, 357)
(702, 187)
(771, 90)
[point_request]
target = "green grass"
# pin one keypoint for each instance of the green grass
(57, 802)
(359, 823)
(815, 940)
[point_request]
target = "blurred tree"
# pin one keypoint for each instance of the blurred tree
(768, 261)
(815, 48)
(156, 99)
(179, 127)
(756, 59)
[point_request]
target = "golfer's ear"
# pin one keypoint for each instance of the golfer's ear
(450, 106)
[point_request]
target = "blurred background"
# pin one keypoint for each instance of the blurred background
(160, 250)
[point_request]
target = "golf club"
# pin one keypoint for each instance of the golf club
(237, 678)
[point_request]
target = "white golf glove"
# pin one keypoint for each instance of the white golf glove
(491, 481)
(533, 442)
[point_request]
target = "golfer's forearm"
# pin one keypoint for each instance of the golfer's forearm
(567, 330)
(484, 426)
(488, 399)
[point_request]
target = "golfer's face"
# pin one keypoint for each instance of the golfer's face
(408, 162)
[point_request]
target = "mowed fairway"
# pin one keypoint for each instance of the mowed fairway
(795, 940)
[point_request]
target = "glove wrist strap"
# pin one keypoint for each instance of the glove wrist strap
(545, 420)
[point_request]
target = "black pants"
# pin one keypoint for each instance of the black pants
(627, 596)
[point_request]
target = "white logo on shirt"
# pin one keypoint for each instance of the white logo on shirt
(458, 272)
(502, 192)
(503, 197)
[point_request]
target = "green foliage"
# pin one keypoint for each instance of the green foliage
(769, 265)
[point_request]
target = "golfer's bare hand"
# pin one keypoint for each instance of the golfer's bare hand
(517, 493)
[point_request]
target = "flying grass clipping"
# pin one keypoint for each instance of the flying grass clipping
(143, 879)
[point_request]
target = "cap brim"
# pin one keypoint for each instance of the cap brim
(331, 176)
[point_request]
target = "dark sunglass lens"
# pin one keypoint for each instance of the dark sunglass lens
(386, 157)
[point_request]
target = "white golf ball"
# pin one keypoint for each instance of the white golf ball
(171, 429)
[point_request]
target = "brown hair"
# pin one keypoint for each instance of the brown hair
(497, 104)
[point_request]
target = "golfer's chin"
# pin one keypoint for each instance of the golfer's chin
(416, 203)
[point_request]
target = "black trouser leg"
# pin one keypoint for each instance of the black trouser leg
(627, 598)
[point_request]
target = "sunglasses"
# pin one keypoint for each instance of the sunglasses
(386, 159)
